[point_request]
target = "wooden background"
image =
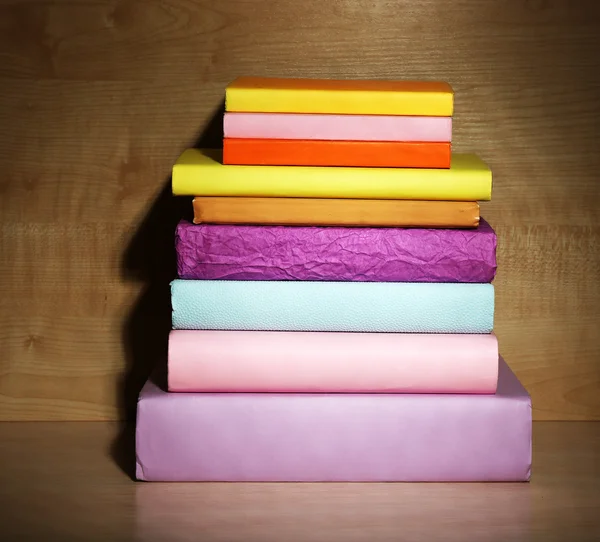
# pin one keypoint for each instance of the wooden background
(99, 97)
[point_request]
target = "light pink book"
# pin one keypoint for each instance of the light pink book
(337, 127)
(335, 362)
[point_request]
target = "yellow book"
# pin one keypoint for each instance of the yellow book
(200, 172)
(330, 96)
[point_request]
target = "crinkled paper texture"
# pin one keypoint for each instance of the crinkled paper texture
(231, 252)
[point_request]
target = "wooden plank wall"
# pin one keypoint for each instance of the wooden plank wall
(98, 98)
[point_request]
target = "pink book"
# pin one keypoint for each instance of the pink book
(337, 127)
(336, 362)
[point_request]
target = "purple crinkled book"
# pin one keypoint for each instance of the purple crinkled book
(233, 252)
(335, 437)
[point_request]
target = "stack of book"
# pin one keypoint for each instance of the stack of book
(333, 314)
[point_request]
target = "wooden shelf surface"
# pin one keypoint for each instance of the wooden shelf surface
(68, 481)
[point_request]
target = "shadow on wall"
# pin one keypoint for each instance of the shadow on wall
(150, 259)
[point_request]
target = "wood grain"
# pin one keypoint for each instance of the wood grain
(97, 100)
(59, 481)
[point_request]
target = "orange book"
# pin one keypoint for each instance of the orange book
(290, 152)
(336, 212)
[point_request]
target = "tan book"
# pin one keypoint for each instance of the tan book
(336, 212)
